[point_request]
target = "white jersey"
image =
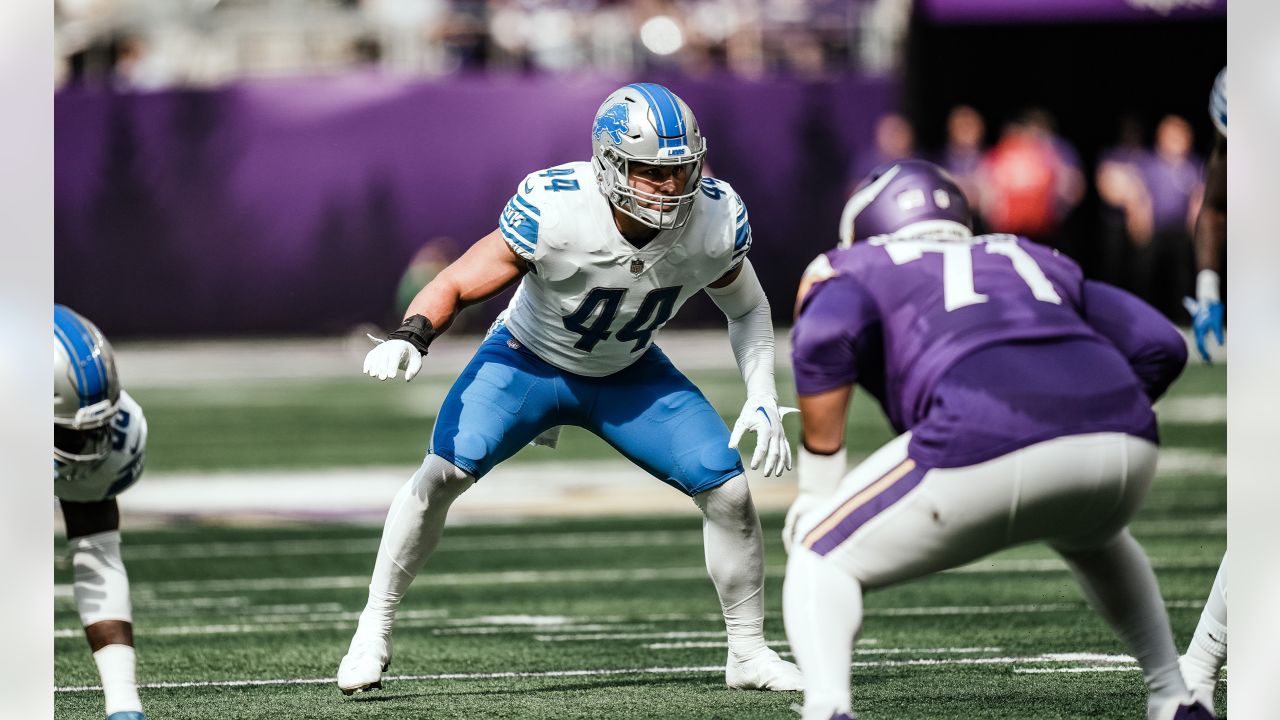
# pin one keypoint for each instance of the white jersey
(104, 479)
(593, 302)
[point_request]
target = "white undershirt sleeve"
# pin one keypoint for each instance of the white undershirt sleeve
(750, 329)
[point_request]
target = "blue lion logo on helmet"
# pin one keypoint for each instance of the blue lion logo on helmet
(613, 121)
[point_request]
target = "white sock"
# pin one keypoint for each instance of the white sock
(409, 536)
(734, 548)
(1208, 649)
(1118, 582)
(116, 665)
(822, 606)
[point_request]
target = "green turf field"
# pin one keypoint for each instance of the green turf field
(612, 617)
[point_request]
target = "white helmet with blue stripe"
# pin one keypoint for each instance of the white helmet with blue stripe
(646, 123)
(86, 388)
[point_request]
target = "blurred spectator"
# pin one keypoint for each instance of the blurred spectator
(1164, 267)
(962, 156)
(895, 139)
(1030, 181)
(1125, 212)
(751, 38)
(434, 256)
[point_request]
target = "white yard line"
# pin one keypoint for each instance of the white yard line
(599, 575)
(1109, 661)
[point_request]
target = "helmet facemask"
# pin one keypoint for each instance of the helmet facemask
(663, 212)
(78, 446)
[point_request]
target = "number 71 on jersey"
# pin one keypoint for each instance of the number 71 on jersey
(957, 267)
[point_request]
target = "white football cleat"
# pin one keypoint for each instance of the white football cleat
(362, 667)
(762, 671)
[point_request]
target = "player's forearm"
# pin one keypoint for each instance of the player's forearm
(487, 268)
(822, 420)
(1211, 224)
(1211, 237)
(439, 302)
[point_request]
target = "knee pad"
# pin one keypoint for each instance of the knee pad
(101, 586)
(439, 481)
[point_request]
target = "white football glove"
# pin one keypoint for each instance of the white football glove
(762, 416)
(388, 357)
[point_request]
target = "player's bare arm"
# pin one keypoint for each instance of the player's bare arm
(1211, 225)
(822, 420)
(487, 268)
(1208, 316)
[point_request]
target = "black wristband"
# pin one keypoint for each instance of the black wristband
(417, 331)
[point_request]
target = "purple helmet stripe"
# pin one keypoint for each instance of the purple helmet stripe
(868, 502)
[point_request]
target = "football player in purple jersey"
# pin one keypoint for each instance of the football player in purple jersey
(1022, 394)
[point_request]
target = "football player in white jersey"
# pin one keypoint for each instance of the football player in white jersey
(605, 252)
(99, 439)
(1207, 652)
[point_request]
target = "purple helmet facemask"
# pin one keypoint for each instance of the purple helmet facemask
(906, 198)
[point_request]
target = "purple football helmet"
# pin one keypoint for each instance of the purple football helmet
(914, 195)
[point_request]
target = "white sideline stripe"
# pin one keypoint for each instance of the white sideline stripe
(1193, 409)
(1049, 658)
(601, 575)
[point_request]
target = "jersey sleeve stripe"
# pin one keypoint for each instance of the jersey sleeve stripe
(520, 223)
(743, 238)
(526, 205)
(515, 241)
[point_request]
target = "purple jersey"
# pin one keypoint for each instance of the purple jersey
(979, 346)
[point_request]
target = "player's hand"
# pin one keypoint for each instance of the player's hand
(389, 357)
(802, 505)
(762, 416)
(1206, 317)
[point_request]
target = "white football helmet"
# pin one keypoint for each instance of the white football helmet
(86, 388)
(646, 123)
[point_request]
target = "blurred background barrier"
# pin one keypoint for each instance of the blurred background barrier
(302, 167)
(293, 206)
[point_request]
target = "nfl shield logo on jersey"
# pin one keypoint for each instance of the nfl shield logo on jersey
(637, 266)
